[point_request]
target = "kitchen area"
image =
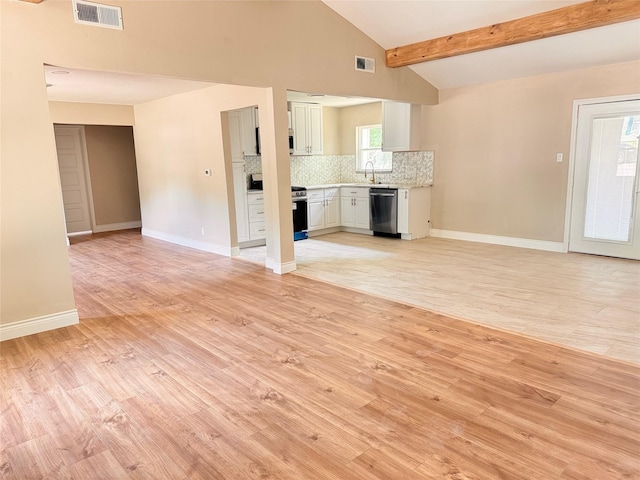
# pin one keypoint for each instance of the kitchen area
(356, 167)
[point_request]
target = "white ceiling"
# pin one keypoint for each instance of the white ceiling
(393, 23)
(88, 86)
(328, 100)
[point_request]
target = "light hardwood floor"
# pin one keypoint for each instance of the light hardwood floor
(583, 301)
(190, 365)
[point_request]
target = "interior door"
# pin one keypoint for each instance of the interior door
(73, 178)
(604, 213)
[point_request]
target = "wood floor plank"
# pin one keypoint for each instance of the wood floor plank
(583, 301)
(186, 364)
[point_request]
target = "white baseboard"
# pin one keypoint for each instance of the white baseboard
(498, 240)
(361, 231)
(112, 227)
(324, 231)
(187, 242)
(30, 326)
(280, 268)
(253, 243)
(84, 232)
(235, 251)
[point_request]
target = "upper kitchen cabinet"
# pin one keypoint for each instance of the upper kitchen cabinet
(400, 127)
(242, 130)
(249, 118)
(235, 134)
(306, 121)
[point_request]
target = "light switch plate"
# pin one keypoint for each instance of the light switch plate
(559, 157)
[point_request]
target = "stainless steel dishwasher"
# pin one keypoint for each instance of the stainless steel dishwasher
(383, 208)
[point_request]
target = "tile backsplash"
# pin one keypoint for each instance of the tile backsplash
(409, 168)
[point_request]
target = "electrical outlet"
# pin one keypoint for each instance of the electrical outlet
(559, 157)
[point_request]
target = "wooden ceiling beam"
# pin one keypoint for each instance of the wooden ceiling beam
(573, 18)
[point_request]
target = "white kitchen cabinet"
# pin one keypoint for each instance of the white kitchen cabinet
(249, 140)
(323, 208)
(235, 135)
(242, 131)
(306, 122)
(331, 207)
(400, 127)
(414, 209)
(354, 207)
(240, 196)
(257, 226)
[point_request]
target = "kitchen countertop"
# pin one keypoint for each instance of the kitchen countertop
(370, 185)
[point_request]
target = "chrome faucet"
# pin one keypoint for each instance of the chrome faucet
(373, 171)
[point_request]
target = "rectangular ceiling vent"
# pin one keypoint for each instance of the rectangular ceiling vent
(89, 13)
(365, 64)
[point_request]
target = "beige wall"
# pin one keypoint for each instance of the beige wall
(177, 138)
(220, 42)
(90, 113)
(331, 131)
(114, 177)
(351, 117)
(495, 150)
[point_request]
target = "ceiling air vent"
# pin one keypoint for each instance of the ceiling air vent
(365, 64)
(89, 13)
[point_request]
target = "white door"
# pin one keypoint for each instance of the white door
(604, 211)
(73, 180)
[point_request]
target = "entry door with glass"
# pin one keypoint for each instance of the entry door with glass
(604, 212)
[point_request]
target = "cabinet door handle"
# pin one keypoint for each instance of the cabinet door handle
(406, 194)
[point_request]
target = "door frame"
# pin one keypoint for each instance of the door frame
(572, 153)
(87, 176)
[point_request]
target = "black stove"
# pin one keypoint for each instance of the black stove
(298, 192)
(299, 198)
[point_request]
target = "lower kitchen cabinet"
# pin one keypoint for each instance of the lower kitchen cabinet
(354, 207)
(414, 208)
(323, 208)
(257, 226)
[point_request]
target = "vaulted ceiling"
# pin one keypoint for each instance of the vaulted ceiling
(393, 23)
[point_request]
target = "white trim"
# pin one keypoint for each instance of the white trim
(499, 240)
(30, 326)
(572, 153)
(253, 243)
(187, 242)
(75, 234)
(235, 251)
(280, 268)
(112, 227)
